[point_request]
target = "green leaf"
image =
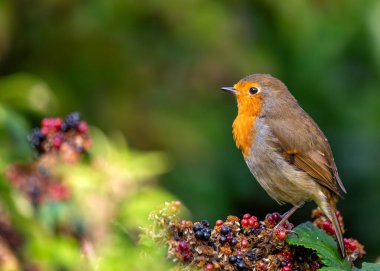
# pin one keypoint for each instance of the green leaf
(309, 236)
(13, 133)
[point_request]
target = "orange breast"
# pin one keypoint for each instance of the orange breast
(243, 127)
(243, 132)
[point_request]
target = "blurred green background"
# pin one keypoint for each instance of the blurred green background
(152, 69)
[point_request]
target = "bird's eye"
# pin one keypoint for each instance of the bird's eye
(253, 90)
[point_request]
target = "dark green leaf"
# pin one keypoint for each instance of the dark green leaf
(309, 236)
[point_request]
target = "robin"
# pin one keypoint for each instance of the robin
(284, 148)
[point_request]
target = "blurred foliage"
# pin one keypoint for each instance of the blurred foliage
(97, 227)
(152, 69)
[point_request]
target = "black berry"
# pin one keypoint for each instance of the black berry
(233, 242)
(232, 259)
(36, 137)
(251, 256)
(240, 266)
(206, 236)
(71, 121)
(197, 227)
(225, 230)
(205, 223)
(199, 234)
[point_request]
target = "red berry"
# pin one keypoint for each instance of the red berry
(82, 127)
(183, 246)
(186, 257)
(244, 222)
(57, 123)
(246, 216)
(253, 222)
(51, 123)
(209, 266)
(287, 255)
(325, 224)
(44, 130)
(286, 268)
(244, 243)
(219, 223)
(328, 228)
(276, 217)
(280, 234)
(350, 244)
(256, 225)
(46, 122)
(57, 141)
(270, 219)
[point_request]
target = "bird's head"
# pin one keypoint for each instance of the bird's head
(258, 91)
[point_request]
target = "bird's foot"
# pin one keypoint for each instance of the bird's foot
(287, 215)
(283, 224)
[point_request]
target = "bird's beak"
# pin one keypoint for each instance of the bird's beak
(230, 90)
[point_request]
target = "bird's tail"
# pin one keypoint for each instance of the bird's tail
(338, 231)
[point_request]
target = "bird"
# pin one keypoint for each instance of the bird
(284, 148)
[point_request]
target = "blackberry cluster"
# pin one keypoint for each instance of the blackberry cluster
(226, 235)
(239, 244)
(56, 141)
(72, 121)
(202, 230)
(238, 262)
(55, 132)
(228, 246)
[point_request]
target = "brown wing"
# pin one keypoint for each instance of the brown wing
(303, 144)
(315, 164)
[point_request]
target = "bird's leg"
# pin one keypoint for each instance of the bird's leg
(288, 214)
